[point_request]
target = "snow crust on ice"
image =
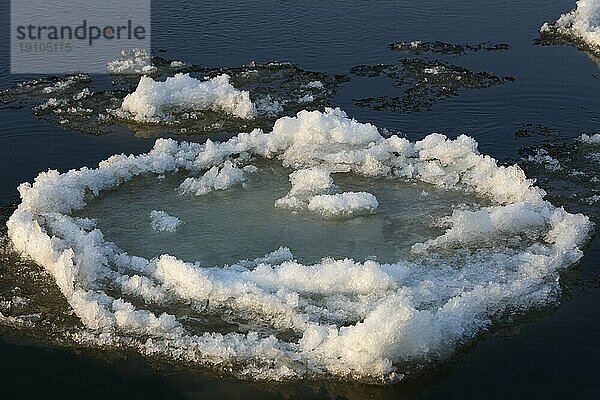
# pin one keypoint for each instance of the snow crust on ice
(582, 23)
(351, 319)
(162, 222)
(154, 101)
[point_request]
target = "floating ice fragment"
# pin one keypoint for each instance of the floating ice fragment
(542, 157)
(434, 70)
(581, 24)
(134, 61)
(214, 179)
(307, 98)
(590, 139)
(315, 85)
(250, 169)
(343, 204)
(160, 221)
(593, 199)
(305, 184)
(61, 85)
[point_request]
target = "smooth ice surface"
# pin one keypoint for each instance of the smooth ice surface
(226, 226)
(274, 316)
(582, 23)
(154, 101)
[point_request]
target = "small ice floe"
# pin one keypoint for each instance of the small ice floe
(344, 204)
(308, 193)
(434, 70)
(581, 24)
(307, 98)
(160, 221)
(590, 139)
(315, 85)
(214, 179)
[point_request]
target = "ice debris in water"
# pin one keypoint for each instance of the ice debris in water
(347, 203)
(214, 179)
(61, 85)
(419, 47)
(576, 182)
(274, 90)
(315, 85)
(307, 98)
(160, 221)
(352, 319)
(154, 101)
(581, 24)
(590, 139)
(424, 82)
(134, 61)
(542, 157)
(593, 199)
(434, 70)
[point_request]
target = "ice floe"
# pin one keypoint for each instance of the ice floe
(581, 24)
(337, 317)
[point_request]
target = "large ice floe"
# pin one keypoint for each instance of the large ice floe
(581, 25)
(352, 319)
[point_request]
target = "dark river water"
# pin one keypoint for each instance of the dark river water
(554, 354)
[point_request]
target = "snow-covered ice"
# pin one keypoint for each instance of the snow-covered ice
(155, 101)
(214, 179)
(338, 316)
(347, 203)
(582, 23)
